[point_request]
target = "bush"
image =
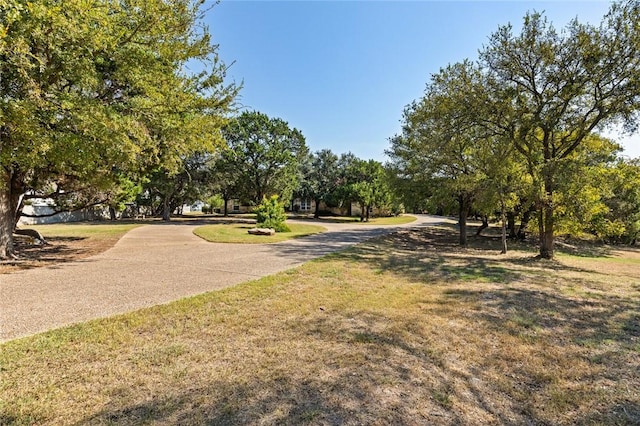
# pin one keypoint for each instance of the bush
(270, 214)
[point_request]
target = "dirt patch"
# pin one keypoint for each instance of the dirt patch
(65, 243)
(57, 250)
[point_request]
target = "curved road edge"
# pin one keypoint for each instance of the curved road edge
(158, 264)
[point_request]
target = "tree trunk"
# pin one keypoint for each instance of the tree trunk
(7, 223)
(10, 193)
(166, 209)
(112, 213)
(511, 225)
(546, 231)
(485, 225)
(524, 223)
(368, 213)
(504, 228)
(463, 212)
(316, 213)
(19, 211)
(546, 219)
(226, 210)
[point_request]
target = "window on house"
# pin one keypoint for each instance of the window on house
(305, 205)
(236, 206)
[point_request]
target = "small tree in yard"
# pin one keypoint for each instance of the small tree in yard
(270, 214)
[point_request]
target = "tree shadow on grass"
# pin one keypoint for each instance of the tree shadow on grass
(380, 379)
(57, 250)
(433, 253)
(314, 246)
(581, 321)
(392, 381)
(347, 398)
(428, 254)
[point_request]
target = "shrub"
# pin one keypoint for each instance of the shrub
(270, 214)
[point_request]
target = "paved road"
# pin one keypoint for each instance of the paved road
(152, 265)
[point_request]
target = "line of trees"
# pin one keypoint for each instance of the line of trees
(264, 157)
(514, 132)
(99, 103)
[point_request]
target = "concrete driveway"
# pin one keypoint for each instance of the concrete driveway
(152, 265)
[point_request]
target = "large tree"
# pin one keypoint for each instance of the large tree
(91, 90)
(225, 176)
(553, 89)
(441, 142)
(320, 177)
(267, 153)
(170, 190)
(368, 185)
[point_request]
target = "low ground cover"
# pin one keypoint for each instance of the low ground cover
(391, 220)
(404, 329)
(66, 242)
(237, 233)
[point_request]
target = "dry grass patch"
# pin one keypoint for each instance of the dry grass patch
(66, 242)
(406, 329)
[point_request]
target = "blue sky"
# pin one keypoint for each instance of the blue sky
(342, 71)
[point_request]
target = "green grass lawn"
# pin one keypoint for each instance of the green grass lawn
(404, 329)
(89, 230)
(237, 233)
(391, 220)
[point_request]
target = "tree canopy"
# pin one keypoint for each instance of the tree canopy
(92, 92)
(266, 153)
(320, 177)
(555, 88)
(533, 100)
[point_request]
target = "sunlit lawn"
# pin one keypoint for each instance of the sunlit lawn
(405, 329)
(237, 233)
(391, 220)
(89, 230)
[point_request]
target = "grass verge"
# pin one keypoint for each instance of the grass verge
(391, 220)
(237, 233)
(405, 329)
(66, 242)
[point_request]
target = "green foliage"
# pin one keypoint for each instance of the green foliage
(549, 90)
(619, 221)
(367, 184)
(446, 148)
(225, 175)
(214, 202)
(167, 191)
(320, 177)
(94, 94)
(264, 154)
(125, 191)
(270, 214)
(512, 130)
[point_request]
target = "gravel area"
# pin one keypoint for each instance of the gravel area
(152, 265)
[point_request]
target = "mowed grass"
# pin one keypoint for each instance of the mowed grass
(237, 233)
(405, 329)
(391, 220)
(88, 230)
